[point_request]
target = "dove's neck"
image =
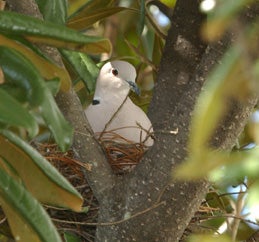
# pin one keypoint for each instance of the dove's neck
(108, 96)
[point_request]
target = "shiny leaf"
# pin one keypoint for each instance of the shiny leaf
(26, 217)
(83, 21)
(53, 10)
(84, 7)
(69, 237)
(22, 73)
(14, 114)
(49, 33)
(169, 3)
(84, 66)
(141, 23)
(75, 6)
(37, 173)
(60, 128)
(48, 70)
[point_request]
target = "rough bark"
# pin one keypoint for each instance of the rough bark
(147, 204)
(160, 208)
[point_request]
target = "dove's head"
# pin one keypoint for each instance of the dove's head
(116, 77)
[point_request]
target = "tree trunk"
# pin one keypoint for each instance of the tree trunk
(153, 206)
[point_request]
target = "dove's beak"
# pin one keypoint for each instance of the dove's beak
(134, 87)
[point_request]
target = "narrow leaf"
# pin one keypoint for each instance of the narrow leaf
(21, 72)
(69, 237)
(220, 85)
(76, 6)
(141, 22)
(84, 7)
(59, 126)
(49, 33)
(84, 66)
(26, 217)
(81, 22)
(14, 114)
(53, 10)
(53, 85)
(37, 173)
(48, 70)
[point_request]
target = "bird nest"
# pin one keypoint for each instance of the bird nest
(66, 220)
(122, 154)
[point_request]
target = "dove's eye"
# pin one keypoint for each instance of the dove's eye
(115, 72)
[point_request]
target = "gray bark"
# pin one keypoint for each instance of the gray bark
(169, 205)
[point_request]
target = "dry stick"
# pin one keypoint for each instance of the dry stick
(239, 207)
(112, 117)
(157, 204)
(86, 165)
(112, 223)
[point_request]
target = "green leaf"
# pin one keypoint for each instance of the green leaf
(49, 33)
(85, 20)
(84, 66)
(209, 238)
(16, 92)
(22, 73)
(14, 114)
(222, 83)
(59, 126)
(84, 7)
(69, 237)
(19, 70)
(76, 5)
(241, 164)
(53, 85)
(37, 173)
(47, 69)
(222, 17)
(141, 23)
(53, 10)
(26, 217)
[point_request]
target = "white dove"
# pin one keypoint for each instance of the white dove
(113, 111)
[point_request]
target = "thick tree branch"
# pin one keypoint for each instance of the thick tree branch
(173, 101)
(184, 67)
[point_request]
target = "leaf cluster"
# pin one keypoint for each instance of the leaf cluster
(233, 81)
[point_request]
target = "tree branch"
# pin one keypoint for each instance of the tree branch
(184, 67)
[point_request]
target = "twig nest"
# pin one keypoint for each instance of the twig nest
(122, 154)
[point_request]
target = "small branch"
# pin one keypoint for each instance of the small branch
(115, 222)
(238, 210)
(112, 117)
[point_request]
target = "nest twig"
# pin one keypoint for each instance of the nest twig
(122, 154)
(71, 168)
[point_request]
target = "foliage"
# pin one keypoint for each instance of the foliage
(234, 80)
